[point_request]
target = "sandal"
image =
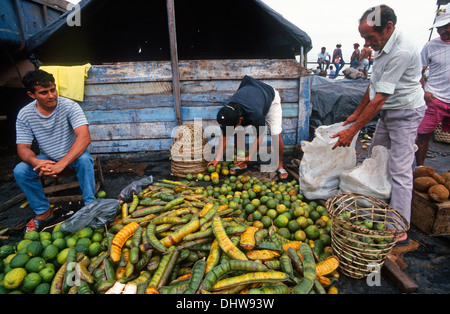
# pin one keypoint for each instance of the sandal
(37, 224)
(236, 170)
(282, 174)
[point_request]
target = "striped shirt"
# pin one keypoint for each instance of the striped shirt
(397, 72)
(54, 134)
(436, 57)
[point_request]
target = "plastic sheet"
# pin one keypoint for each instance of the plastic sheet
(134, 187)
(94, 215)
(334, 101)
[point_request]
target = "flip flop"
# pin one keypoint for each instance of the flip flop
(281, 172)
(236, 170)
(36, 224)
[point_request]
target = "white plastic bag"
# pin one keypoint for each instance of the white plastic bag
(321, 166)
(371, 178)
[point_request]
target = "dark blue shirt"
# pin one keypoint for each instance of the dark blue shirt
(255, 98)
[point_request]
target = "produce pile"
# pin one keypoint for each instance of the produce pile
(437, 186)
(244, 235)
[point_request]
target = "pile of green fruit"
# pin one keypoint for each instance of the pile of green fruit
(30, 266)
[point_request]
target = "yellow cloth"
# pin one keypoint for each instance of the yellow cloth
(69, 80)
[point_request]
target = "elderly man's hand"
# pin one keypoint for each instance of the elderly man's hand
(345, 138)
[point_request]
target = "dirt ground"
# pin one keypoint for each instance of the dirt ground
(426, 261)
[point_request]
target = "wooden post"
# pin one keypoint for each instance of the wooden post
(174, 60)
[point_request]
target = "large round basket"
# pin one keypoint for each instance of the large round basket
(362, 250)
(187, 150)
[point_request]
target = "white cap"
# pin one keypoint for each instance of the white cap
(442, 16)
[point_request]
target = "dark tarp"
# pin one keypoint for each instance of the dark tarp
(117, 31)
(334, 101)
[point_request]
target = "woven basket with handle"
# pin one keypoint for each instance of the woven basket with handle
(361, 250)
(186, 151)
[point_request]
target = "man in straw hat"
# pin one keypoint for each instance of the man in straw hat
(436, 58)
(396, 93)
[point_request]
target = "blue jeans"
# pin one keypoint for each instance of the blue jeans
(339, 66)
(29, 182)
(321, 63)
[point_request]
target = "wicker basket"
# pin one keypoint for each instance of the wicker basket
(441, 136)
(360, 249)
(186, 151)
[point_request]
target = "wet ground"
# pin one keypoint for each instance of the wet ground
(428, 265)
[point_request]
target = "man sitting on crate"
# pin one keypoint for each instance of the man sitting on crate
(396, 93)
(61, 131)
(254, 104)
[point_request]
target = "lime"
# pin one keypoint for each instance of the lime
(312, 232)
(264, 199)
(97, 237)
(313, 204)
(272, 213)
(200, 177)
(314, 215)
(256, 202)
(303, 222)
(100, 194)
(320, 209)
(189, 177)
(293, 226)
(22, 246)
(45, 236)
(300, 235)
(299, 211)
(211, 168)
(271, 204)
(257, 215)
(71, 242)
(30, 282)
(34, 248)
(43, 288)
(263, 209)
(249, 208)
(325, 238)
(267, 221)
(284, 232)
(57, 235)
(62, 256)
(60, 243)
(47, 274)
(281, 208)
(281, 221)
(368, 223)
(32, 235)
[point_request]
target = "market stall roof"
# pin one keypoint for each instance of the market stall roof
(116, 31)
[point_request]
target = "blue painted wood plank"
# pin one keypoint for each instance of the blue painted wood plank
(304, 109)
(150, 145)
(164, 114)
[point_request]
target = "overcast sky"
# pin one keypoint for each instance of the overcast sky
(329, 22)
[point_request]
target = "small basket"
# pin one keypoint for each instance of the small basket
(187, 150)
(361, 250)
(441, 136)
